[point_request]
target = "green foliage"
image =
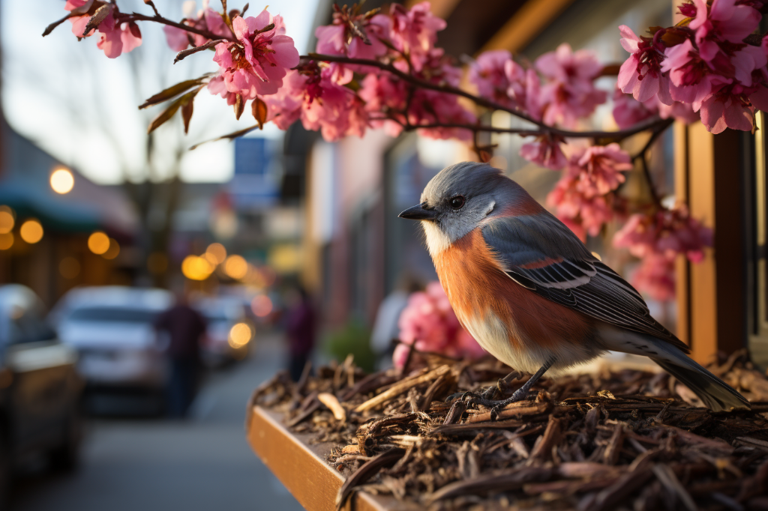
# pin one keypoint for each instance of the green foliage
(352, 338)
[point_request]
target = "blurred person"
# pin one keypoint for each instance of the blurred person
(185, 328)
(385, 327)
(300, 325)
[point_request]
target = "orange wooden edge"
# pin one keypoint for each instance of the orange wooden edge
(301, 467)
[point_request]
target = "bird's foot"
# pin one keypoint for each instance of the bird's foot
(518, 395)
(485, 397)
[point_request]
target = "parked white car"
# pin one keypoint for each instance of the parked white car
(112, 329)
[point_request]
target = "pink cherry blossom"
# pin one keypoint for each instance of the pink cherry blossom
(655, 277)
(311, 95)
(570, 92)
(256, 66)
(638, 235)
(528, 97)
(583, 215)
(692, 77)
(599, 169)
(207, 19)
(627, 111)
(641, 74)
(518, 88)
(493, 73)
(668, 232)
(414, 31)
(566, 66)
(176, 38)
(383, 92)
(115, 37)
(732, 105)
(723, 22)
(682, 112)
(342, 37)
(79, 22)
(387, 93)
(216, 86)
(545, 151)
(429, 324)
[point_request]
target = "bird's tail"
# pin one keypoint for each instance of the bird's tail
(714, 392)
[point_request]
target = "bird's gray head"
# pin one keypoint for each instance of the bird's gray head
(458, 198)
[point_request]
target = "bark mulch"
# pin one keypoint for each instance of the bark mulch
(624, 439)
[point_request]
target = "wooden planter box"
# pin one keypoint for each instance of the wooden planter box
(672, 462)
(302, 468)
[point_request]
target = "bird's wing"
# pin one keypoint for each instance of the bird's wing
(540, 253)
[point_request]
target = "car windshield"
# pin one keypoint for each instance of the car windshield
(216, 316)
(113, 314)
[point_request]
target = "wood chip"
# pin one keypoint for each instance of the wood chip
(331, 402)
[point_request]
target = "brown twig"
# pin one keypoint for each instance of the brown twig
(642, 154)
(135, 16)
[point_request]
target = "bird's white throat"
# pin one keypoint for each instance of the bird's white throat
(437, 240)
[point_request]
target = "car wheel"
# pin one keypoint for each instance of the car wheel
(65, 457)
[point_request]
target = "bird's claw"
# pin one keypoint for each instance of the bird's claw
(499, 405)
(486, 396)
(490, 392)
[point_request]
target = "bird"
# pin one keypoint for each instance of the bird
(532, 294)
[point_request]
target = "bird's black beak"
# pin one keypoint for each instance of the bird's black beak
(419, 212)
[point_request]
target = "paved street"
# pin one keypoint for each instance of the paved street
(201, 464)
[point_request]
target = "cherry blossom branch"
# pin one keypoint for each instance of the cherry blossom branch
(152, 5)
(649, 180)
(616, 135)
(641, 155)
(135, 16)
(478, 128)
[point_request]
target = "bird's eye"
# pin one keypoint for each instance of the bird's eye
(457, 202)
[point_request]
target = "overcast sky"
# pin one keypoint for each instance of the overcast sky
(55, 87)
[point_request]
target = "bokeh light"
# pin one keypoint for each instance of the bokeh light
(69, 267)
(6, 241)
(62, 181)
(285, 258)
(261, 306)
(7, 221)
(236, 267)
(254, 278)
(224, 224)
(216, 253)
(239, 335)
(31, 231)
(98, 243)
(196, 268)
(113, 250)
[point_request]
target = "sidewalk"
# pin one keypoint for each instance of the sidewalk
(201, 464)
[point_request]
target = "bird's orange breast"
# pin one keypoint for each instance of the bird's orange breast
(483, 296)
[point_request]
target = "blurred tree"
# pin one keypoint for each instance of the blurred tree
(99, 98)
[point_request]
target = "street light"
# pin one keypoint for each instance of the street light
(196, 268)
(62, 180)
(236, 267)
(98, 243)
(7, 220)
(31, 231)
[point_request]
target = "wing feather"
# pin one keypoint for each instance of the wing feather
(557, 266)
